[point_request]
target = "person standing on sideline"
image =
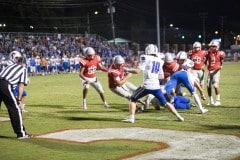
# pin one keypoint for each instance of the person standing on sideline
(10, 77)
(214, 61)
(151, 65)
(197, 55)
(13, 57)
(89, 65)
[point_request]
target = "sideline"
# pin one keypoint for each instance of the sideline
(182, 144)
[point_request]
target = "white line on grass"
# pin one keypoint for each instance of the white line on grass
(183, 144)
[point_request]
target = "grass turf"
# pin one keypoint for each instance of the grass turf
(54, 103)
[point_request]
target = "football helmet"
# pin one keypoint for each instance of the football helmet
(168, 57)
(181, 55)
(15, 54)
(188, 64)
(197, 44)
(118, 60)
(215, 43)
(151, 49)
(89, 51)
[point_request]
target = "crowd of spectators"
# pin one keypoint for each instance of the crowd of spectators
(56, 45)
(59, 45)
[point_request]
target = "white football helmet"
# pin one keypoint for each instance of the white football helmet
(15, 54)
(197, 44)
(151, 49)
(89, 51)
(181, 55)
(118, 60)
(187, 64)
(168, 57)
(215, 43)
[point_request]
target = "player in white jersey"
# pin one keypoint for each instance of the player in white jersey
(58, 64)
(53, 65)
(38, 65)
(76, 62)
(72, 64)
(151, 65)
(3, 63)
(65, 64)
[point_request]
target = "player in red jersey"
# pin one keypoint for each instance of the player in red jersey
(89, 66)
(197, 55)
(214, 60)
(117, 79)
(170, 66)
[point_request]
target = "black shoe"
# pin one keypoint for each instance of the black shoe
(26, 136)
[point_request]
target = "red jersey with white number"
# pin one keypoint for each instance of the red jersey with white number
(170, 68)
(113, 75)
(90, 66)
(198, 58)
(214, 59)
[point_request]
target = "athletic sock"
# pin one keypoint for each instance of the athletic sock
(197, 101)
(218, 97)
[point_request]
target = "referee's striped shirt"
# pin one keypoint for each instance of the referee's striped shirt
(14, 74)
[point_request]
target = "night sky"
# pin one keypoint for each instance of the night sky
(130, 15)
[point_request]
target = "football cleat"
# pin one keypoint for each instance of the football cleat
(180, 118)
(84, 105)
(203, 97)
(26, 136)
(210, 103)
(129, 120)
(106, 105)
(217, 103)
(204, 110)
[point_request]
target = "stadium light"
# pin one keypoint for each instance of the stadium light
(3, 25)
(88, 21)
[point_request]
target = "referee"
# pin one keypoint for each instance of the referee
(10, 77)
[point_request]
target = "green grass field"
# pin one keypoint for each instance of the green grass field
(54, 104)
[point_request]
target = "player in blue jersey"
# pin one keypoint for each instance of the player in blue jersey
(185, 77)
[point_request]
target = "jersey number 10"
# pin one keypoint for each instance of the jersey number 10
(155, 67)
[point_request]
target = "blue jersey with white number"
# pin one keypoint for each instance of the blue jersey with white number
(152, 68)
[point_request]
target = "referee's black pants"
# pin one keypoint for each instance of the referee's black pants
(15, 114)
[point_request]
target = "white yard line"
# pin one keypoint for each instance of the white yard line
(2, 119)
(182, 144)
